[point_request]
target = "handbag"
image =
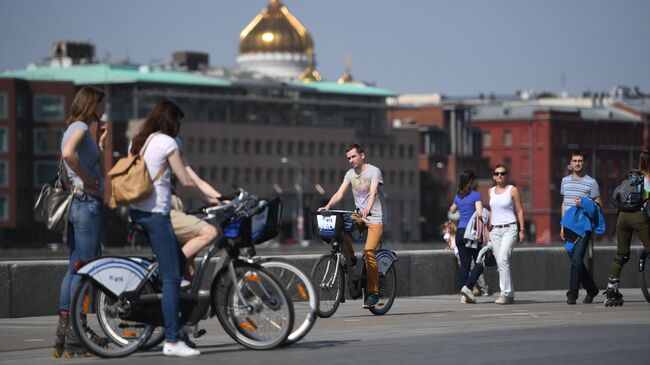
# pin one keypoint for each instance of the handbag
(54, 201)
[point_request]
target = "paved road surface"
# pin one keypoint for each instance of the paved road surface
(539, 329)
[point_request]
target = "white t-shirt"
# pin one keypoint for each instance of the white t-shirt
(155, 157)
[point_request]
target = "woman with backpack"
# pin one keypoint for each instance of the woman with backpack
(82, 158)
(635, 219)
(157, 146)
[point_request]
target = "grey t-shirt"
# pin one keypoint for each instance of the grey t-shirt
(361, 192)
(572, 188)
(88, 154)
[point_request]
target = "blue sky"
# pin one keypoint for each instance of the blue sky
(456, 47)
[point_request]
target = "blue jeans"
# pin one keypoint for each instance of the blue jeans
(171, 263)
(84, 240)
(466, 255)
(579, 272)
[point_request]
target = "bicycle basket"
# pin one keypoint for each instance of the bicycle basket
(328, 226)
(260, 226)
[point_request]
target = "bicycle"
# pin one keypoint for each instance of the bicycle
(332, 271)
(295, 282)
(124, 294)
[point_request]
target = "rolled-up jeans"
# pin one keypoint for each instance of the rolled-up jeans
(171, 263)
(84, 240)
(502, 240)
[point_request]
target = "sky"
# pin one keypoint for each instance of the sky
(454, 47)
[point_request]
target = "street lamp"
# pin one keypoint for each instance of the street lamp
(300, 219)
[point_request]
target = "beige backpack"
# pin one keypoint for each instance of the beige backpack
(130, 179)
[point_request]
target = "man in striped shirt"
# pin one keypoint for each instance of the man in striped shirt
(574, 187)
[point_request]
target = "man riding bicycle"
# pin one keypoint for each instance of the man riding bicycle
(367, 189)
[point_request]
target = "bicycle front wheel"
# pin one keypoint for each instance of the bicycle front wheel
(645, 275)
(301, 292)
(98, 321)
(254, 310)
(327, 277)
(387, 290)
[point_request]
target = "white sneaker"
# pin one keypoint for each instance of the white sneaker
(179, 349)
(467, 293)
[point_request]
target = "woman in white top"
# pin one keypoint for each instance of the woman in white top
(160, 151)
(506, 227)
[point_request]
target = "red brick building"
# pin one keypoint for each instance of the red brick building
(535, 140)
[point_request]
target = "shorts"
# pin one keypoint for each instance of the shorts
(185, 226)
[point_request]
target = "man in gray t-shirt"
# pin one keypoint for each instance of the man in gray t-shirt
(367, 189)
(573, 187)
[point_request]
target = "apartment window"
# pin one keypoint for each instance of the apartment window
(224, 146)
(391, 151)
(487, 139)
(258, 147)
(202, 172)
(4, 208)
(310, 149)
(332, 148)
(247, 175)
(247, 146)
(280, 176)
(269, 147)
(201, 145)
(411, 178)
(213, 145)
(332, 176)
(301, 148)
(49, 108)
(279, 146)
(269, 175)
(225, 172)
(190, 145)
(507, 138)
(4, 112)
(235, 177)
(44, 172)
(401, 151)
(47, 141)
(411, 150)
(4, 139)
(258, 175)
(4, 173)
(290, 148)
(213, 174)
(235, 146)
(321, 148)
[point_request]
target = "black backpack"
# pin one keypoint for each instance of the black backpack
(628, 195)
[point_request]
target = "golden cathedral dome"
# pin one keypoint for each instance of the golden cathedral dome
(275, 29)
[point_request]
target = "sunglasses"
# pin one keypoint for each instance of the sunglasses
(499, 173)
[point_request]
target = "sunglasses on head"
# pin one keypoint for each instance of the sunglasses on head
(500, 173)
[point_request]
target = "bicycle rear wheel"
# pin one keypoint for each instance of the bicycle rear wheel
(262, 317)
(327, 277)
(97, 319)
(645, 275)
(301, 292)
(387, 290)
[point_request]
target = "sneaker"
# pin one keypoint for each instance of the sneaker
(485, 294)
(570, 299)
(179, 349)
(185, 284)
(370, 300)
(589, 298)
(463, 299)
(504, 300)
(467, 293)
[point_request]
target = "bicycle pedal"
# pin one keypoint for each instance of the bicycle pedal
(199, 333)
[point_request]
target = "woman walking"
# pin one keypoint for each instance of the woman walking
(82, 157)
(506, 228)
(157, 145)
(467, 201)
